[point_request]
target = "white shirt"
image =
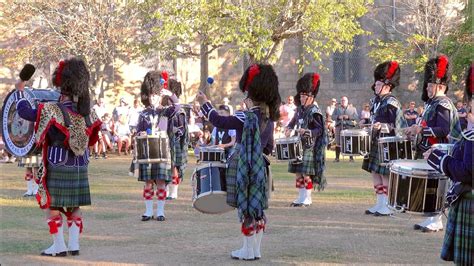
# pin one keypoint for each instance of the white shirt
(133, 115)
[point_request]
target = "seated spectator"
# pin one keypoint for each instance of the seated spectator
(122, 131)
(107, 131)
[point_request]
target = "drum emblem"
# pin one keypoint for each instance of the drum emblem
(286, 153)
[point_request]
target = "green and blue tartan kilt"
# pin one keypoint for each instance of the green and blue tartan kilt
(231, 177)
(458, 244)
(371, 163)
(305, 167)
(154, 171)
(181, 156)
(68, 186)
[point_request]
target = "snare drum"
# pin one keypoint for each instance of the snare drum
(416, 187)
(394, 148)
(211, 154)
(355, 142)
(289, 149)
(152, 148)
(446, 148)
(18, 133)
(209, 188)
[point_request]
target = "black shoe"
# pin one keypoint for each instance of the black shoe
(380, 214)
(369, 212)
(351, 160)
(73, 252)
(146, 218)
(296, 204)
(60, 254)
(160, 218)
(169, 198)
(104, 156)
(417, 227)
(336, 160)
(96, 156)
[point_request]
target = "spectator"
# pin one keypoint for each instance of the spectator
(287, 111)
(411, 114)
(122, 109)
(279, 131)
(107, 131)
(226, 102)
(329, 111)
(224, 138)
(346, 117)
(99, 107)
(365, 114)
(462, 115)
(133, 115)
(122, 132)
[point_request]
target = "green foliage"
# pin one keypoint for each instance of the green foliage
(460, 46)
(255, 28)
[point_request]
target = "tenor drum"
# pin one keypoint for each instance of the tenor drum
(394, 148)
(446, 148)
(211, 154)
(209, 188)
(18, 133)
(289, 149)
(416, 187)
(355, 142)
(152, 148)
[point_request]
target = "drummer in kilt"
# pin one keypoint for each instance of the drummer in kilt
(386, 118)
(161, 106)
(181, 140)
(31, 174)
(309, 123)
(458, 245)
(65, 130)
(246, 177)
(439, 122)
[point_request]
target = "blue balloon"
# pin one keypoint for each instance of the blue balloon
(210, 80)
(162, 81)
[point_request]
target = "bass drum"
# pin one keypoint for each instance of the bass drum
(18, 133)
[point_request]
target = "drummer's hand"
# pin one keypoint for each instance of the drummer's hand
(165, 92)
(20, 85)
(287, 132)
(142, 133)
(201, 98)
(221, 145)
(377, 126)
(301, 131)
(417, 129)
(427, 153)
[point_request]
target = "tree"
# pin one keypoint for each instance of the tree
(420, 31)
(41, 32)
(460, 46)
(254, 29)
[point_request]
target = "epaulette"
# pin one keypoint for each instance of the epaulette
(469, 135)
(394, 102)
(240, 115)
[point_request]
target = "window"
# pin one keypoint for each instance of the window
(347, 66)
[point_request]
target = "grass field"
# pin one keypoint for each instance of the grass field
(333, 230)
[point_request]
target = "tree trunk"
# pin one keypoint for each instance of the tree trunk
(98, 88)
(204, 68)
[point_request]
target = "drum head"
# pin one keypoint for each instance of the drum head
(294, 139)
(391, 139)
(18, 133)
(203, 165)
(419, 168)
(213, 202)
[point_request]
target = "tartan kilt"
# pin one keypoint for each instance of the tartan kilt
(371, 163)
(68, 186)
(231, 177)
(181, 156)
(154, 171)
(458, 244)
(305, 167)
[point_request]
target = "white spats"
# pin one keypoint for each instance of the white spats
(258, 243)
(148, 208)
(160, 210)
(247, 250)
